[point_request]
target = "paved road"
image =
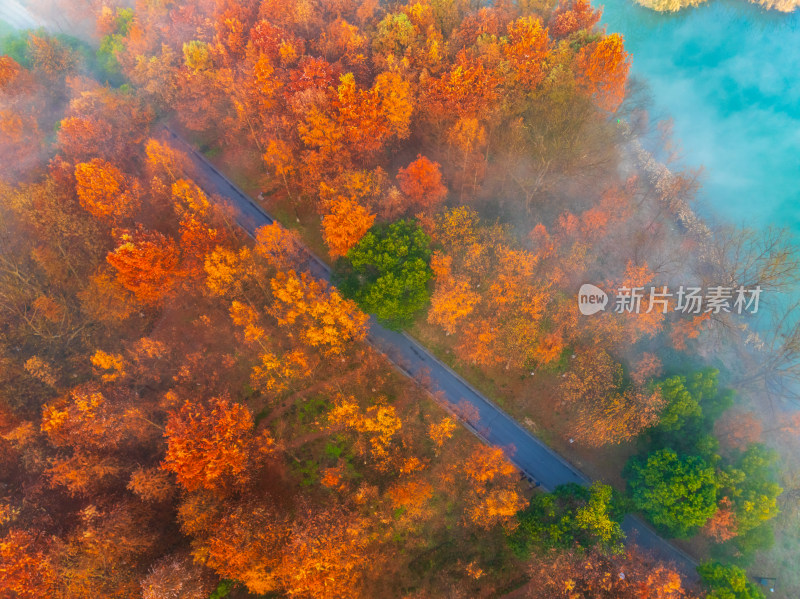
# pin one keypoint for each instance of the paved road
(484, 418)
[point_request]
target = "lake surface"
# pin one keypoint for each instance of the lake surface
(728, 73)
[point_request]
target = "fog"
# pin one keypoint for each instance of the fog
(727, 74)
(57, 16)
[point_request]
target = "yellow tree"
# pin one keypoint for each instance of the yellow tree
(378, 423)
(105, 191)
(492, 497)
(453, 299)
(316, 314)
(327, 554)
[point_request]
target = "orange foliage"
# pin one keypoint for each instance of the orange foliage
(412, 495)
(111, 366)
(278, 246)
(83, 419)
(468, 89)
(737, 429)
(345, 225)
(245, 545)
(151, 484)
(177, 576)
(441, 432)
(605, 410)
(573, 16)
(650, 318)
(527, 51)
(648, 367)
(103, 123)
(497, 288)
(722, 526)
(452, 300)
(327, 555)
(603, 71)
(213, 446)
(50, 56)
(421, 182)
(686, 329)
(631, 575)
(105, 191)
(163, 161)
(25, 570)
(146, 264)
(493, 497)
(360, 123)
(9, 69)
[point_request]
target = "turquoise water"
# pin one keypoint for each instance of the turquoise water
(728, 73)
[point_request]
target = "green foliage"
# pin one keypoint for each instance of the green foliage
(571, 515)
(309, 410)
(124, 20)
(686, 429)
(387, 273)
(727, 582)
(741, 549)
(223, 589)
(308, 471)
(395, 33)
(678, 494)
(682, 409)
(750, 484)
(112, 44)
(15, 45)
(693, 405)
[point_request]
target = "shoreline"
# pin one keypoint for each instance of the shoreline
(673, 6)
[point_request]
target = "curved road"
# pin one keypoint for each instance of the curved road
(483, 418)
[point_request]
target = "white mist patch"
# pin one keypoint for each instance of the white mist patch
(16, 15)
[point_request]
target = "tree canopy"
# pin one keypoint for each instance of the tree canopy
(387, 272)
(571, 515)
(727, 582)
(677, 493)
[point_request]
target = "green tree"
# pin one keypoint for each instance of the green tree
(571, 515)
(694, 403)
(750, 483)
(683, 408)
(756, 498)
(112, 44)
(678, 494)
(387, 273)
(727, 582)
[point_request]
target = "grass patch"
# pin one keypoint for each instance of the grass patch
(223, 589)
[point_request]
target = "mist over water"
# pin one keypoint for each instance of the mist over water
(728, 73)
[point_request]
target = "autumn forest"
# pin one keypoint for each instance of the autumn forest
(193, 405)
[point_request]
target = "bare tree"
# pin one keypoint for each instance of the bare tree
(746, 257)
